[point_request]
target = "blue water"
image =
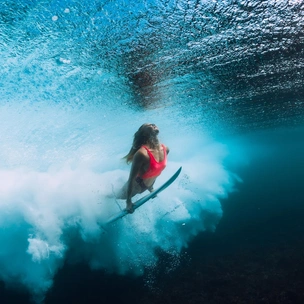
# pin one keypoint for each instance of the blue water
(223, 80)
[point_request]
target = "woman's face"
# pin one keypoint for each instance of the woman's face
(150, 128)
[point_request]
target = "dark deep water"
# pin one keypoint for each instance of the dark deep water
(224, 82)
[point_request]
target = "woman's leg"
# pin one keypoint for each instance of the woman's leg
(136, 189)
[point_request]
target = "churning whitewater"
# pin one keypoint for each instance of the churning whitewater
(58, 179)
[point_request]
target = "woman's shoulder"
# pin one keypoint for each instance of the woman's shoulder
(166, 148)
(141, 152)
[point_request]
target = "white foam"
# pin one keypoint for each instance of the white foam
(56, 193)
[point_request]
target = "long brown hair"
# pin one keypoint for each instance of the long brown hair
(142, 137)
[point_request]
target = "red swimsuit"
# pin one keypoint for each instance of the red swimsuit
(155, 168)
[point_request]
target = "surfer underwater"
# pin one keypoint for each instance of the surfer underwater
(149, 158)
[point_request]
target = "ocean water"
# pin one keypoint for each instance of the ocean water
(223, 80)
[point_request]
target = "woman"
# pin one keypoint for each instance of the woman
(148, 158)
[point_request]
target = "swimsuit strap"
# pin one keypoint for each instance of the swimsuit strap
(149, 153)
(152, 156)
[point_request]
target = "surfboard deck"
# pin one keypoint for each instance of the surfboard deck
(144, 199)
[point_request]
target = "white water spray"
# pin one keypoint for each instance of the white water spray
(60, 166)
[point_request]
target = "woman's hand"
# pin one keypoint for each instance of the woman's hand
(129, 206)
